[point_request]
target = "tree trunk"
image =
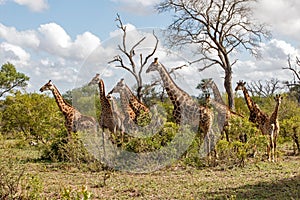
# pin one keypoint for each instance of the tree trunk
(139, 93)
(228, 88)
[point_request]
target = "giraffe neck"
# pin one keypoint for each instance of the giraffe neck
(101, 90)
(248, 99)
(274, 115)
(124, 103)
(172, 89)
(105, 103)
(133, 101)
(62, 104)
(219, 107)
(217, 94)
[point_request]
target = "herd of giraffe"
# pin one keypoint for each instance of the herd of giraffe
(186, 109)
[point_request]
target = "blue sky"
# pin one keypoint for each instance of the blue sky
(54, 39)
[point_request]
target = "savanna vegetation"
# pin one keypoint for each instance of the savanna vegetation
(40, 159)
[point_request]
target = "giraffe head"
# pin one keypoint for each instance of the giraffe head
(47, 86)
(95, 80)
(278, 98)
(240, 85)
(153, 66)
(207, 99)
(206, 84)
(120, 86)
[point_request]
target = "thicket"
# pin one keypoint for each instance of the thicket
(36, 117)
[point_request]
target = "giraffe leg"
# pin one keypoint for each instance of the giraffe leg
(103, 144)
(271, 148)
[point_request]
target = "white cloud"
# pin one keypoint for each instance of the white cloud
(84, 45)
(118, 32)
(54, 39)
(36, 5)
(282, 15)
(274, 57)
(14, 54)
(26, 38)
(47, 53)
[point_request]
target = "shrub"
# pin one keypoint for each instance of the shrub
(67, 149)
(76, 194)
(245, 141)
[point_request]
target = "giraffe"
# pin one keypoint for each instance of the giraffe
(209, 83)
(224, 112)
(261, 119)
(118, 116)
(186, 110)
(109, 118)
(74, 120)
(137, 111)
(274, 122)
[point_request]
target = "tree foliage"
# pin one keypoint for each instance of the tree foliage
(10, 79)
(218, 28)
(33, 116)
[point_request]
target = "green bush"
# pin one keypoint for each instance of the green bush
(245, 141)
(67, 149)
(78, 194)
(162, 138)
(31, 116)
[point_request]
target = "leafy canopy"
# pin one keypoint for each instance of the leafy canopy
(10, 79)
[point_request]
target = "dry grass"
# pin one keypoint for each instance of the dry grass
(262, 180)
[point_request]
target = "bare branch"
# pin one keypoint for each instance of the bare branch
(218, 28)
(293, 69)
(266, 89)
(134, 68)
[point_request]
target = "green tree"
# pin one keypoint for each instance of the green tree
(219, 29)
(10, 79)
(32, 116)
(85, 99)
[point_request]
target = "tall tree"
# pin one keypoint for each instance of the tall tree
(10, 79)
(219, 28)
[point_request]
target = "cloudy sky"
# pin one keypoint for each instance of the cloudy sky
(69, 41)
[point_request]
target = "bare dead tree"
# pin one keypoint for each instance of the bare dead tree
(264, 89)
(294, 85)
(218, 28)
(130, 64)
(293, 68)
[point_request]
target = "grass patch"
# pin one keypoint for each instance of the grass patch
(257, 180)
